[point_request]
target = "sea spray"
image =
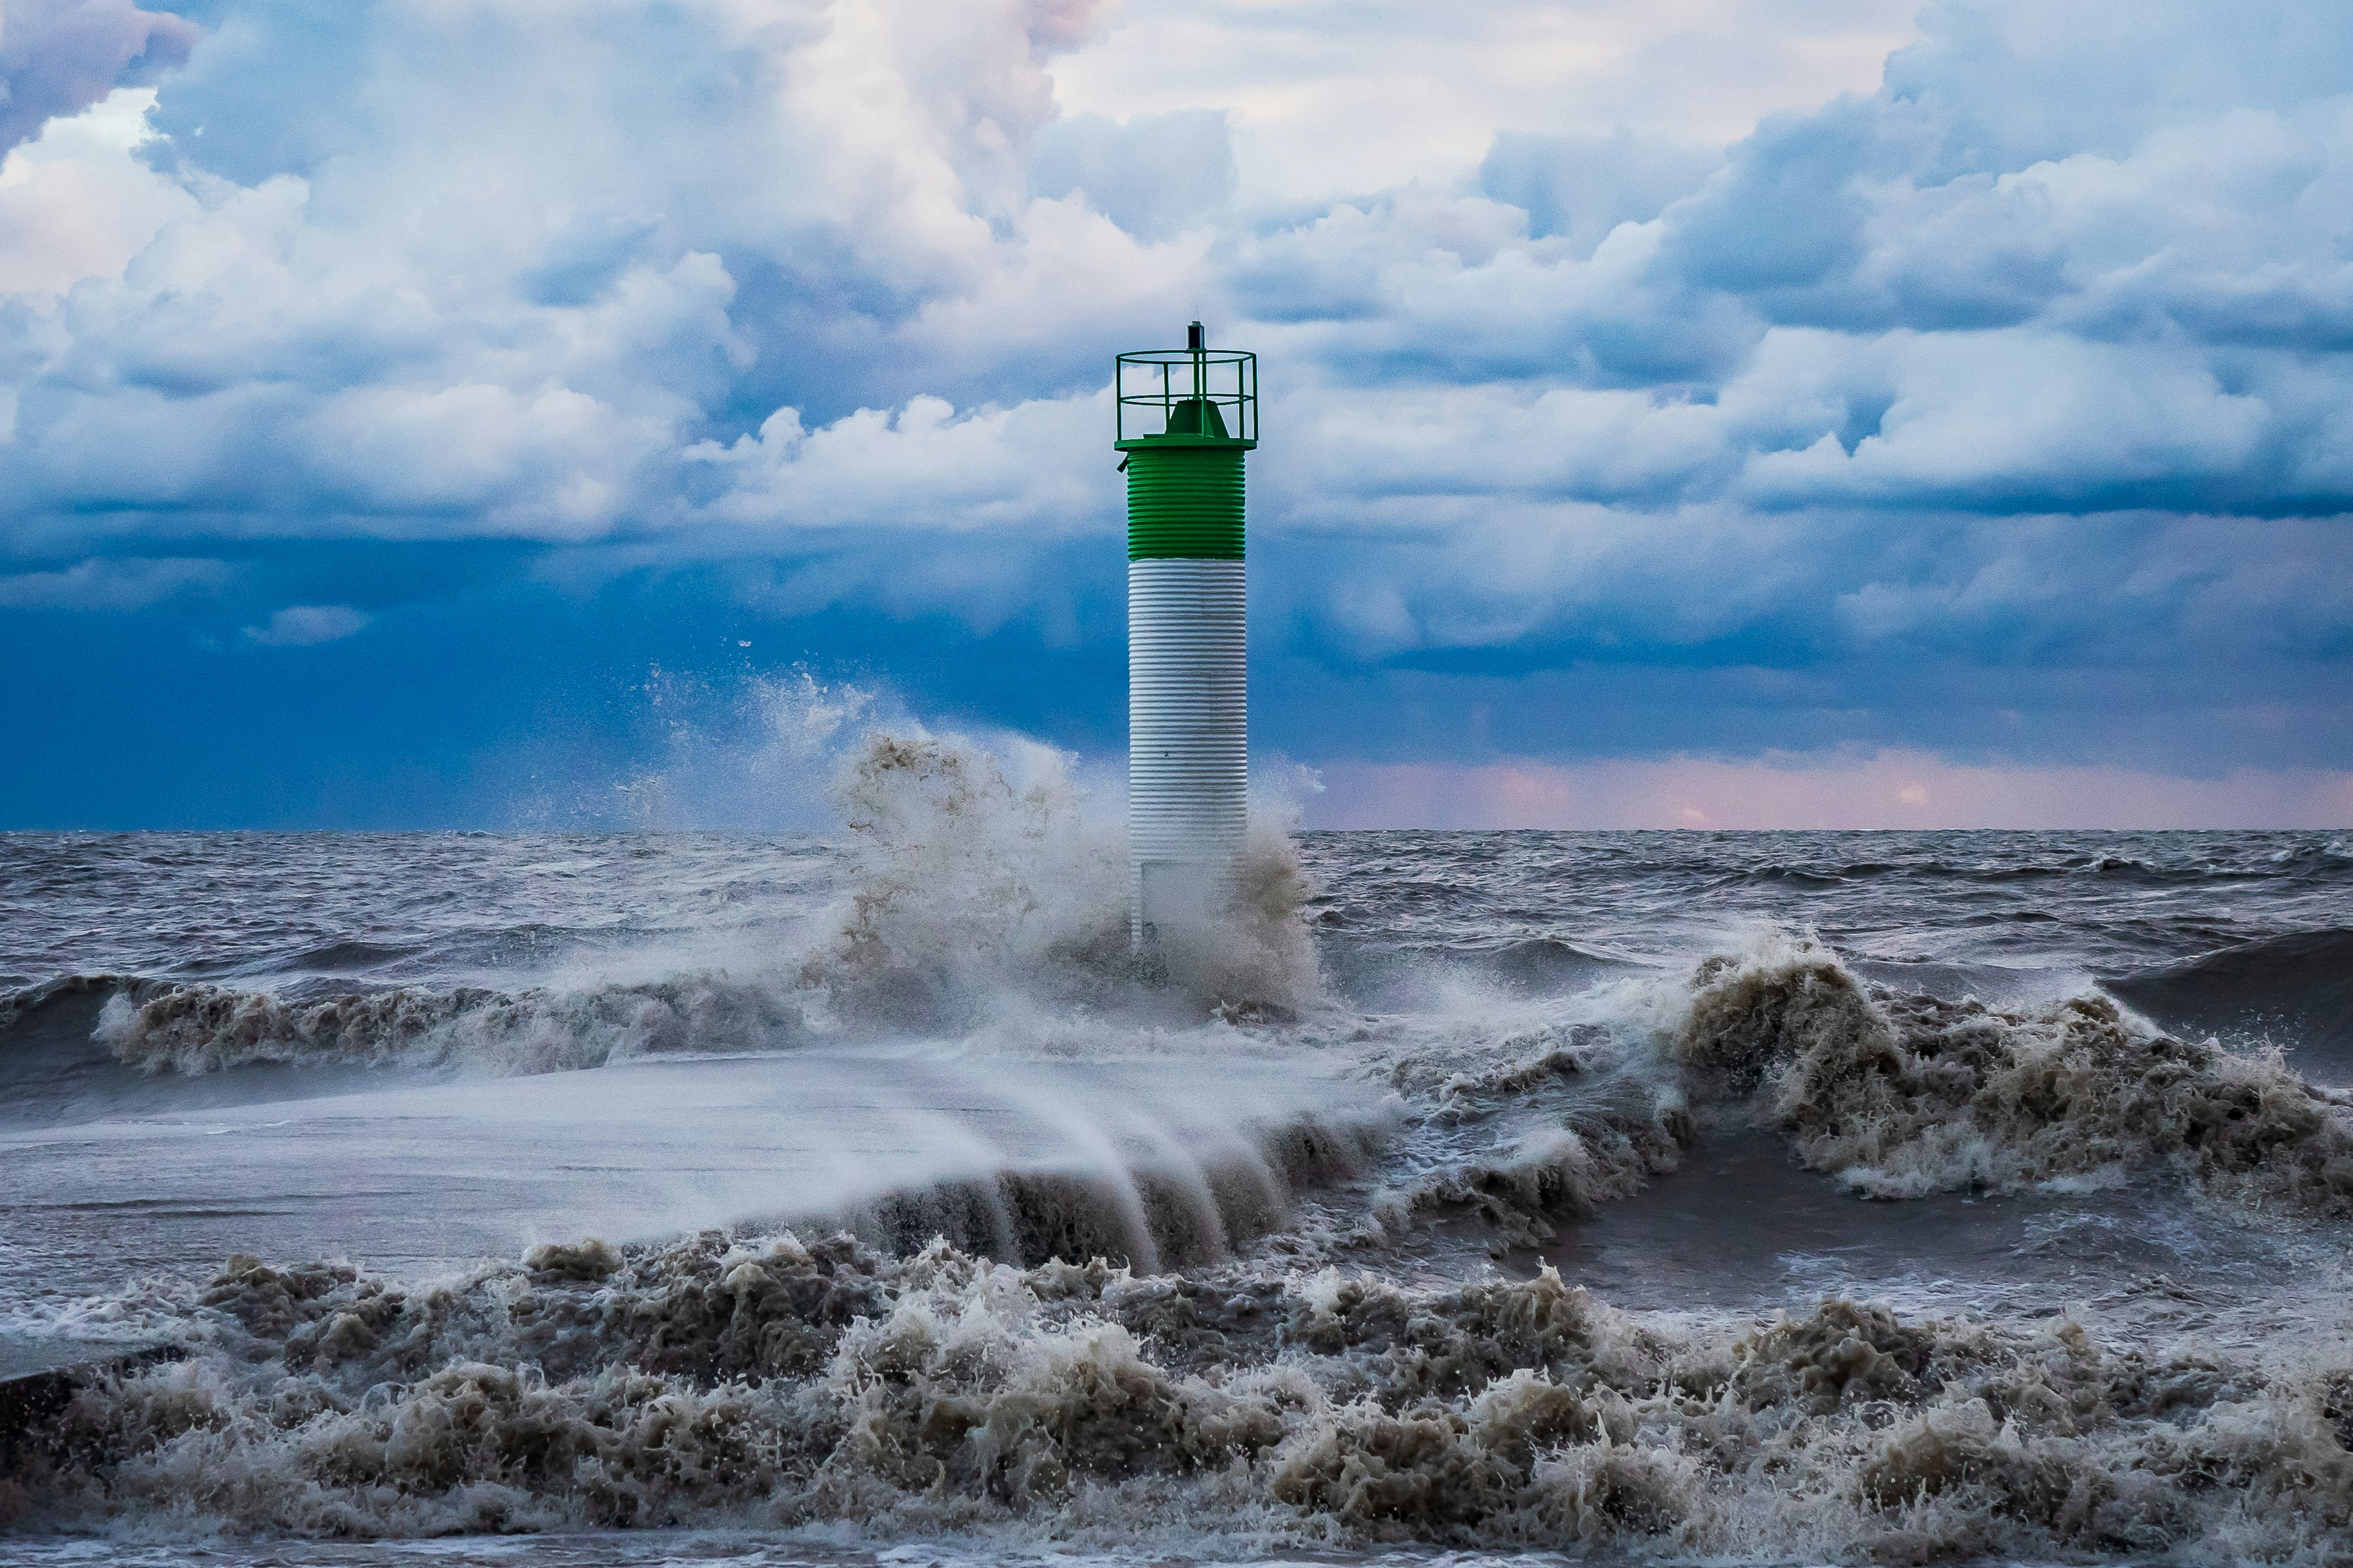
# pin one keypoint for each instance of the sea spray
(758, 752)
(980, 874)
(968, 872)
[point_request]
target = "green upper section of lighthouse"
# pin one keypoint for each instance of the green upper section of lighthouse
(1185, 417)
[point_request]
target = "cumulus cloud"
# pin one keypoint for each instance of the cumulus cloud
(1326, 100)
(59, 57)
(924, 468)
(1581, 188)
(499, 283)
(1151, 174)
(1874, 303)
(78, 202)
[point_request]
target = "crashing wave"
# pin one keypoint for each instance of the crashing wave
(978, 875)
(198, 1028)
(1903, 1095)
(977, 884)
(777, 1383)
(1581, 1131)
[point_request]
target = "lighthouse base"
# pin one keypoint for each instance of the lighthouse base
(1175, 896)
(1187, 740)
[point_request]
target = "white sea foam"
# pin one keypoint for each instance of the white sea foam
(768, 1382)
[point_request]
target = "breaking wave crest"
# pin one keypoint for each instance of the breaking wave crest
(1897, 1095)
(1545, 1127)
(204, 1028)
(1903, 1095)
(1519, 1131)
(772, 1382)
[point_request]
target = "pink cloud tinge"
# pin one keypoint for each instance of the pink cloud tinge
(1886, 789)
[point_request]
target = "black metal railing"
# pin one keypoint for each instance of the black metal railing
(1211, 394)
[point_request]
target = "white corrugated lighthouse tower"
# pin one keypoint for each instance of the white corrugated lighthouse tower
(1185, 417)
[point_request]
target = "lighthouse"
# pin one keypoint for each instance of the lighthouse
(1185, 418)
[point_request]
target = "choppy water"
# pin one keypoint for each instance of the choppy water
(1751, 1196)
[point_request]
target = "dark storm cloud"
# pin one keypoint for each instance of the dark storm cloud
(2030, 371)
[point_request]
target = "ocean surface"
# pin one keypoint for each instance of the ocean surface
(858, 1197)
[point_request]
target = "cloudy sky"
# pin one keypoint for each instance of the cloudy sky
(1731, 413)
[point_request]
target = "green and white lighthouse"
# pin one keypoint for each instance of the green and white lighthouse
(1185, 417)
